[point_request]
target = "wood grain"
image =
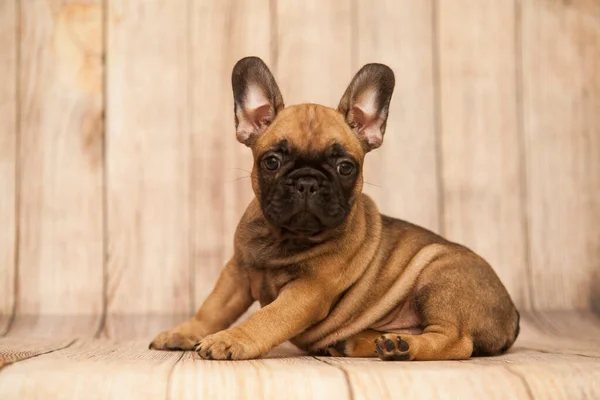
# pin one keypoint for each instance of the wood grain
(517, 374)
(546, 379)
(140, 326)
(556, 376)
(402, 176)
(479, 142)
(60, 156)
(547, 332)
(221, 33)
(148, 159)
(561, 99)
(314, 59)
(55, 327)
(292, 378)
(562, 323)
(371, 379)
(18, 349)
(545, 362)
(8, 162)
(92, 370)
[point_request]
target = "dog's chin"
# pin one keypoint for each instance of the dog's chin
(303, 223)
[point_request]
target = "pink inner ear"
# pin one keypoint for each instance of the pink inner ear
(358, 118)
(262, 116)
(368, 126)
(252, 122)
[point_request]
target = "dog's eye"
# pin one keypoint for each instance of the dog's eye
(271, 163)
(345, 168)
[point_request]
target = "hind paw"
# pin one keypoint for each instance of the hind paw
(391, 347)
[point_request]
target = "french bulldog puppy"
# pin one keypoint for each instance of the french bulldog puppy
(333, 275)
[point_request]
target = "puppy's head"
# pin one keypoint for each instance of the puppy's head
(308, 158)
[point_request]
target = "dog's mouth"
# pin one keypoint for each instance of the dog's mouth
(303, 223)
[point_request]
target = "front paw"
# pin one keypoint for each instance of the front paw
(183, 337)
(230, 344)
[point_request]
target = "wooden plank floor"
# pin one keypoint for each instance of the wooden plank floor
(557, 356)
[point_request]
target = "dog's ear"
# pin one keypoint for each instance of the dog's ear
(366, 103)
(256, 97)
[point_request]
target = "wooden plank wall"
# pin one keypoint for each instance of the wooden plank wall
(147, 159)
(402, 176)
(561, 131)
(121, 181)
(479, 135)
(60, 154)
(8, 153)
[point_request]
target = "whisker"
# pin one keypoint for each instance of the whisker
(242, 169)
(237, 179)
(373, 184)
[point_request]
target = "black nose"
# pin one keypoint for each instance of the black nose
(307, 186)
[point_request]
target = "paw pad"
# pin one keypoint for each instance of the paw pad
(392, 348)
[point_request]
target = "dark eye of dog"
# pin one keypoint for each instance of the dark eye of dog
(271, 163)
(345, 168)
